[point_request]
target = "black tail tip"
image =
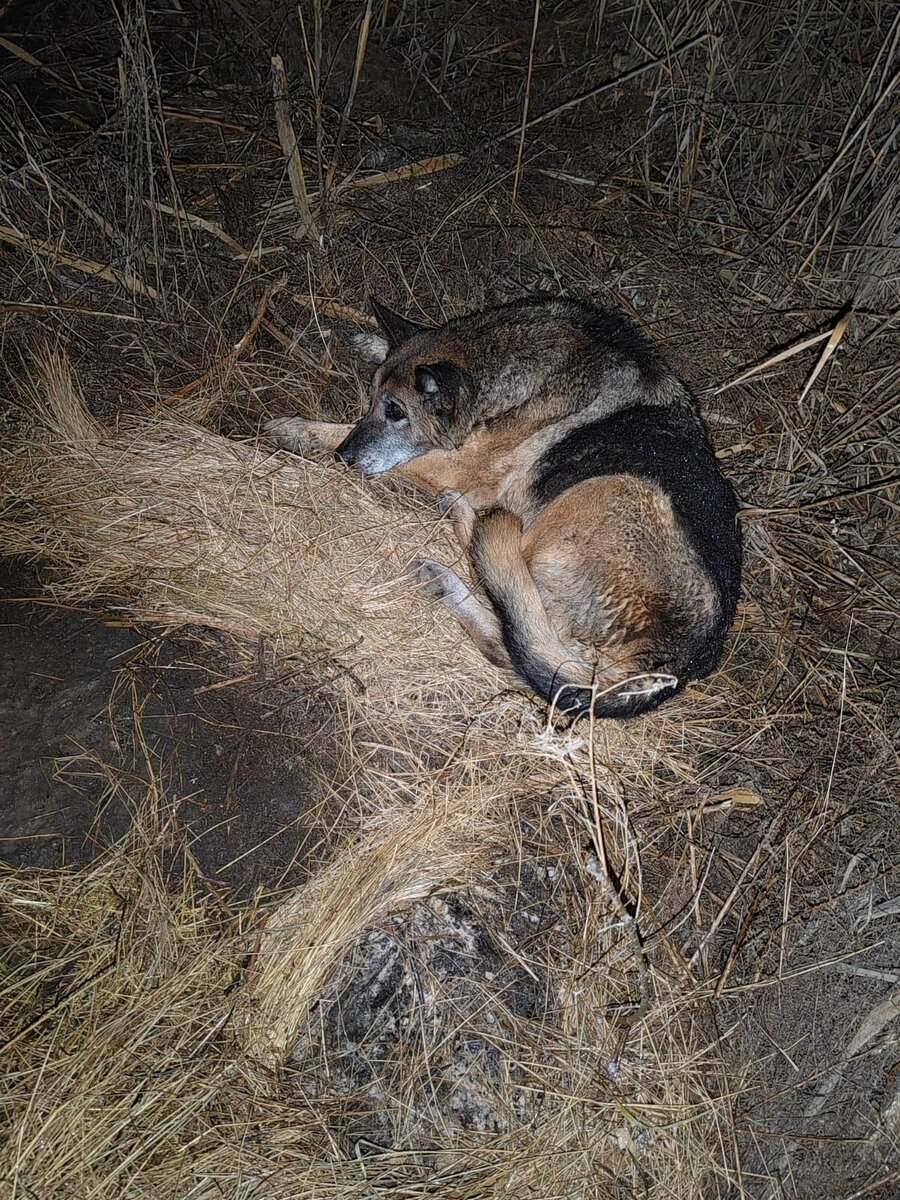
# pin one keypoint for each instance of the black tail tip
(630, 698)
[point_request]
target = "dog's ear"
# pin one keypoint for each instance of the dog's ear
(441, 386)
(396, 329)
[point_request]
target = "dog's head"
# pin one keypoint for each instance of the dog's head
(419, 395)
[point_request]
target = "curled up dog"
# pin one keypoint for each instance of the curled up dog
(580, 480)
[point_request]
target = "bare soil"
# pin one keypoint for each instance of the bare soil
(236, 751)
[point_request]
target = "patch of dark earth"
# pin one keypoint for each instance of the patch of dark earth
(230, 756)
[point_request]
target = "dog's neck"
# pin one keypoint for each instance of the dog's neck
(522, 390)
(517, 368)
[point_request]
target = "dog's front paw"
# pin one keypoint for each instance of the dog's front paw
(448, 500)
(291, 433)
(296, 433)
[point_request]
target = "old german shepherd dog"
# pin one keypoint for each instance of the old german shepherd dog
(580, 479)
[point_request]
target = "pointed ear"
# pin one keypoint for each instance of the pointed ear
(441, 386)
(396, 329)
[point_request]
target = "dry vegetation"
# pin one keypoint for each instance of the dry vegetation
(651, 960)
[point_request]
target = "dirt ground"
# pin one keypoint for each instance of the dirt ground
(786, 852)
(236, 752)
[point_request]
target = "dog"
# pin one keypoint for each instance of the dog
(580, 480)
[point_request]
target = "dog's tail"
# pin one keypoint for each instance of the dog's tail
(537, 653)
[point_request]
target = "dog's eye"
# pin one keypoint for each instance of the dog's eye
(393, 411)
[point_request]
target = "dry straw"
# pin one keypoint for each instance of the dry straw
(124, 1077)
(160, 1046)
(155, 1069)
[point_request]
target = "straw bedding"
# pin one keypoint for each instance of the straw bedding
(166, 1013)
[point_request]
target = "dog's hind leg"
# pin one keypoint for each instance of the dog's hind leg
(296, 433)
(442, 583)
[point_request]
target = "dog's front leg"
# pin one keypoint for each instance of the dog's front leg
(434, 472)
(442, 583)
(458, 510)
(295, 433)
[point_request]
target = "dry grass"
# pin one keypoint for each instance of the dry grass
(783, 135)
(128, 1075)
(173, 524)
(182, 525)
(167, 1102)
(167, 1042)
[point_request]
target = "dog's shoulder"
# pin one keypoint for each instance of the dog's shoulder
(550, 359)
(533, 324)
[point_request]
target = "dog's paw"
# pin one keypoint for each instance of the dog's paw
(286, 432)
(435, 580)
(371, 346)
(448, 500)
(458, 510)
(429, 576)
(296, 433)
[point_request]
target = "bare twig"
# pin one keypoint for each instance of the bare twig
(288, 139)
(774, 359)
(26, 307)
(330, 308)
(880, 485)
(430, 165)
(76, 262)
(607, 86)
(212, 228)
(22, 54)
(827, 350)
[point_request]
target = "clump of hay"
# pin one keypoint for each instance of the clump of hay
(163, 1054)
(124, 1075)
(177, 525)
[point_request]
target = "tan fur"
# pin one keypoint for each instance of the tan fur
(489, 460)
(593, 574)
(604, 556)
